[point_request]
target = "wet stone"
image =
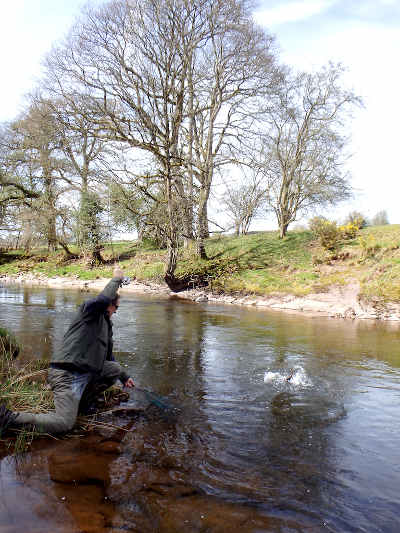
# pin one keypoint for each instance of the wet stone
(146, 477)
(196, 514)
(85, 468)
(111, 447)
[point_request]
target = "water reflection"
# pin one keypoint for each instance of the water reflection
(308, 448)
(62, 487)
(39, 317)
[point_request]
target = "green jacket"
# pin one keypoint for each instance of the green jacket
(88, 340)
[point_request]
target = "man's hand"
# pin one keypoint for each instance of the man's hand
(129, 383)
(118, 272)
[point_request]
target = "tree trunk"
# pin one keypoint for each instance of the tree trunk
(17, 242)
(202, 232)
(89, 224)
(172, 245)
(49, 199)
(51, 233)
(188, 218)
(27, 245)
(95, 257)
(201, 249)
(172, 261)
(188, 236)
(68, 253)
(204, 223)
(283, 230)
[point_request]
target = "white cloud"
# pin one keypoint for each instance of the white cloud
(369, 49)
(292, 12)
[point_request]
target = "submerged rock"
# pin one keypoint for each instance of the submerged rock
(80, 468)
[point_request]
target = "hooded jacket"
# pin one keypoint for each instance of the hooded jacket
(88, 340)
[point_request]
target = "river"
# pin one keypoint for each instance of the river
(286, 423)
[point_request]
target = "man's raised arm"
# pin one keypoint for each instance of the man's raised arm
(111, 289)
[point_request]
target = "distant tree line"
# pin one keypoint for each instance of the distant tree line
(144, 105)
(359, 219)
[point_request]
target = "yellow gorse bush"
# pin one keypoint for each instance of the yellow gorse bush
(349, 230)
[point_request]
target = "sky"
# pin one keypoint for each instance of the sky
(364, 35)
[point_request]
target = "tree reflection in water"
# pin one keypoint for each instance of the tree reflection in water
(267, 454)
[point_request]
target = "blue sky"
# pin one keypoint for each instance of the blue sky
(362, 34)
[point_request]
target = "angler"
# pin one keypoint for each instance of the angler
(83, 368)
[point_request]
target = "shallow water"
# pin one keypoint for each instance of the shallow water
(287, 423)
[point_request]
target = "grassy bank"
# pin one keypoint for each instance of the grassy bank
(259, 264)
(21, 387)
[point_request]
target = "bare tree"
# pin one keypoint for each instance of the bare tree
(380, 219)
(145, 69)
(243, 203)
(86, 154)
(129, 60)
(302, 151)
(230, 74)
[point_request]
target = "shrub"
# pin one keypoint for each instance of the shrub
(369, 246)
(349, 230)
(315, 223)
(357, 219)
(327, 232)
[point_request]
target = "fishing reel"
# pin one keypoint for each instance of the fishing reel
(125, 281)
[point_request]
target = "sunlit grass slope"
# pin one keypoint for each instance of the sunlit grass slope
(259, 263)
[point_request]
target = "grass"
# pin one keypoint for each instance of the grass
(263, 264)
(21, 388)
(255, 264)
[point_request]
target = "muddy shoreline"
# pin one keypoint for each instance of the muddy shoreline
(337, 302)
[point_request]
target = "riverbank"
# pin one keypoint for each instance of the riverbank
(359, 280)
(340, 301)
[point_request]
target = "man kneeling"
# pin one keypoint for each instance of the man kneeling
(83, 368)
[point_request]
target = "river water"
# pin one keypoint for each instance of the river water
(286, 423)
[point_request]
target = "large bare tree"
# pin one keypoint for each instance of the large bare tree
(129, 60)
(302, 152)
(166, 77)
(234, 70)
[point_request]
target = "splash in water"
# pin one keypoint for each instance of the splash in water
(296, 377)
